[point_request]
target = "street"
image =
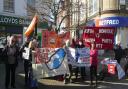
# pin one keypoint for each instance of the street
(110, 82)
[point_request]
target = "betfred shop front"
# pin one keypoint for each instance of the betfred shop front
(120, 23)
(9, 26)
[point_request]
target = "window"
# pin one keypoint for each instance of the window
(9, 6)
(126, 4)
(93, 7)
(31, 7)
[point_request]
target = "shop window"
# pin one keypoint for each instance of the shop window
(9, 6)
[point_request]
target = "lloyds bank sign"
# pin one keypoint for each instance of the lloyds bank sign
(8, 20)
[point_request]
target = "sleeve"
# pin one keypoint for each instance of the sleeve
(4, 54)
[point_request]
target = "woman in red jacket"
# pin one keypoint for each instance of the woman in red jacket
(94, 62)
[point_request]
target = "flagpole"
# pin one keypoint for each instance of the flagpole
(35, 31)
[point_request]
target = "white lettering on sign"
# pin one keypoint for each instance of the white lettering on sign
(109, 22)
(89, 40)
(99, 45)
(11, 20)
(109, 31)
(109, 41)
(89, 31)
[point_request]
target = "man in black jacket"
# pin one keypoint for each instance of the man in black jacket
(118, 52)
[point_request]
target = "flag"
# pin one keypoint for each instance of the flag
(31, 27)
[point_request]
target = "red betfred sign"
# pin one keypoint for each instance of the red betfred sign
(111, 68)
(103, 37)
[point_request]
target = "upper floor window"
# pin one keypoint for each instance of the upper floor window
(93, 6)
(126, 4)
(9, 6)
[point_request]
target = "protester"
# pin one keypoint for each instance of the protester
(93, 62)
(82, 69)
(27, 61)
(70, 68)
(11, 52)
(126, 61)
(118, 52)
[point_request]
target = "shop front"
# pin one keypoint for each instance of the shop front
(9, 26)
(120, 23)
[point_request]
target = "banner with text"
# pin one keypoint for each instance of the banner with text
(78, 57)
(104, 38)
(48, 62)
(50, 39)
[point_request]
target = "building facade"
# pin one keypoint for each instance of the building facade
(105, 13)
(111, 13)
(13, 14)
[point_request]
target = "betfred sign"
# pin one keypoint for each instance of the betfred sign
(111, 68)
(103, 37)
(117, 21)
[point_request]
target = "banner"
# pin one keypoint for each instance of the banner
(49, 62)
(111, 68)
(111, 64)
(121, 72)
(50, 39)
(104, 38)
(78, 57)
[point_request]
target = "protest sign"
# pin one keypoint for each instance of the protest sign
(52, 64)
(78, 57)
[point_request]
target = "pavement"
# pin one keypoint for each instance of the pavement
(110, 82)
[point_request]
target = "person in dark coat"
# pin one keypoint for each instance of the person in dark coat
(118, 52)
(82, 69)
(11, 52)
(27, 62)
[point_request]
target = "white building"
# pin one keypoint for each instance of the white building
(13, 15)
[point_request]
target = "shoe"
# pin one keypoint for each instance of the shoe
(65, 82)
(70, 81)
(25, 85)
(91, 84)
(6, 88)
(13, 86)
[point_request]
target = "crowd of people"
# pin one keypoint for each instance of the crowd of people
(12, 51)
(11, 54)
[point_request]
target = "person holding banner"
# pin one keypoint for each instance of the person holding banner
(118, 52)
(82, 69)
(93, 62)
(27, 63)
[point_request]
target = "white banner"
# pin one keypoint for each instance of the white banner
(79, 56)
(48, 63)
(121, 72)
